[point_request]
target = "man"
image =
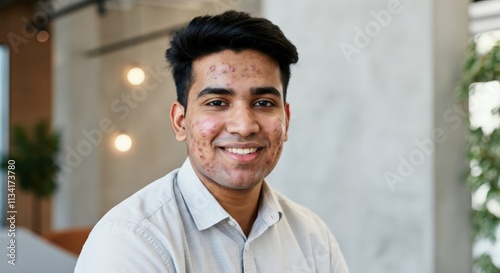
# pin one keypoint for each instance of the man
(217, 213)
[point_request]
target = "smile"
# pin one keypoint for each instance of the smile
(241, 151)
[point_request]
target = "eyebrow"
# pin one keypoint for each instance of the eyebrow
(216, 91)
(256, 91)
(265, 90)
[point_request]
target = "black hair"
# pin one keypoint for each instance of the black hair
(231, 30)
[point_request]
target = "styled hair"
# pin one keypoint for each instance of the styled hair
(233, 30)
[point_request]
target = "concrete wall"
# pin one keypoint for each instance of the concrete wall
(77, 108)
(145, 114)
(367, 100)
(453, 234)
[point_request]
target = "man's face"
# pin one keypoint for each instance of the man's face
(236, 121)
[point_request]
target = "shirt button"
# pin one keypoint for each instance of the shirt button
(231, 223)
(246, 248)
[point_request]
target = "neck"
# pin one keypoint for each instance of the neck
(242, 205)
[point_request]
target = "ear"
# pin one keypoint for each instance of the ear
(287, 116)
(177, 119)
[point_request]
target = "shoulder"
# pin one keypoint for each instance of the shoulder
(126, 236)
(312, 234)
(297, 212)
(144, 203)
(302, 221)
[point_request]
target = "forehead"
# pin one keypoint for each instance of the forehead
(238, 70)
(242, 58)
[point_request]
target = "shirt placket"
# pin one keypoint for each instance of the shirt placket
(248, 259)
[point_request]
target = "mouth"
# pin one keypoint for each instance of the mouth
(239, 151)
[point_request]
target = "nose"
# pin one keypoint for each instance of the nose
(242, 121)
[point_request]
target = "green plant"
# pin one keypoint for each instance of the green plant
(483, 153)
(35, 154)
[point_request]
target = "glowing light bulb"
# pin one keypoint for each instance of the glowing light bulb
(123, 142)
(42, 36)
(136, 76)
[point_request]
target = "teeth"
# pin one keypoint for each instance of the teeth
(241, 151)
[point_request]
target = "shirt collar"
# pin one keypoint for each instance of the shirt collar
(270, 209)
(205, 209)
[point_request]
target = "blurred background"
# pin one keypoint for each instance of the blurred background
(380, 144)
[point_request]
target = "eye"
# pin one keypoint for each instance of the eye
(264, 103)
(216, 103)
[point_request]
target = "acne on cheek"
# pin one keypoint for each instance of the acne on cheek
(276, 150)
(207, 133)
(279, 132)
(267, 163)
(206, 127)
(196, 149)
(279, 127)
(192, 150)
(209, 168)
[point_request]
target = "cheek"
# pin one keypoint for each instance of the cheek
(279, 131)
(202, 134)
(207, 128)
(204, 129)
(277, 137)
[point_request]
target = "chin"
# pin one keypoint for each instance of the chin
(242, 186)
